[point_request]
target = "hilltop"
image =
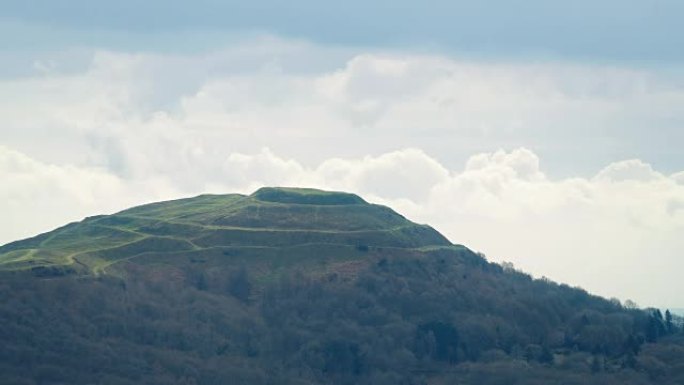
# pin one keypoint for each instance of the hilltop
(264, 225)
(302, 286)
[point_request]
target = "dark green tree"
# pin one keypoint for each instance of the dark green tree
(669, 325)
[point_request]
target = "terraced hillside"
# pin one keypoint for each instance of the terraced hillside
(213, 230)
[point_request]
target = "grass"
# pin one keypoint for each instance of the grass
(280, 227)
(306, 196)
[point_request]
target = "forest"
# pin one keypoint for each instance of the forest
(440, 318)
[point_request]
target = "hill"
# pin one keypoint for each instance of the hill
(265, 225)
(302, 286)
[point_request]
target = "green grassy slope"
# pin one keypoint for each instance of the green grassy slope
(313, 223)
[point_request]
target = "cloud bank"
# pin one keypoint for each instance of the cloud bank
(312, 103)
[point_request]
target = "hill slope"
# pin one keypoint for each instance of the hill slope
(300, 286)
(265, 224)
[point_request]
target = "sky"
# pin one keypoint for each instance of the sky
(540, 133)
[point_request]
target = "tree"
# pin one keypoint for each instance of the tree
(669, 325)
(445, 338)
(633, 344)
(655, 328)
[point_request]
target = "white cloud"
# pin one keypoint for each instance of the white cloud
(312, 103)
(37, 197)
(265, 168)
(400, 174)
(678, 177)
(629, 170)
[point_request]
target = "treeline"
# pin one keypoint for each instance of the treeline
(437, 318)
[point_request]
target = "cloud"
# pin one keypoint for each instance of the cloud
(521, 163)
(629, 170)
(37, 197)
(263, 168)
(406, 174)
(312, 103)
(678, 177)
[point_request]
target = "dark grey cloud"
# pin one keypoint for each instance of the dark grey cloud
(594, 30)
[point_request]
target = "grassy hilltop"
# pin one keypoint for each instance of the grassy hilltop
(218, 229)
(300, 287)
